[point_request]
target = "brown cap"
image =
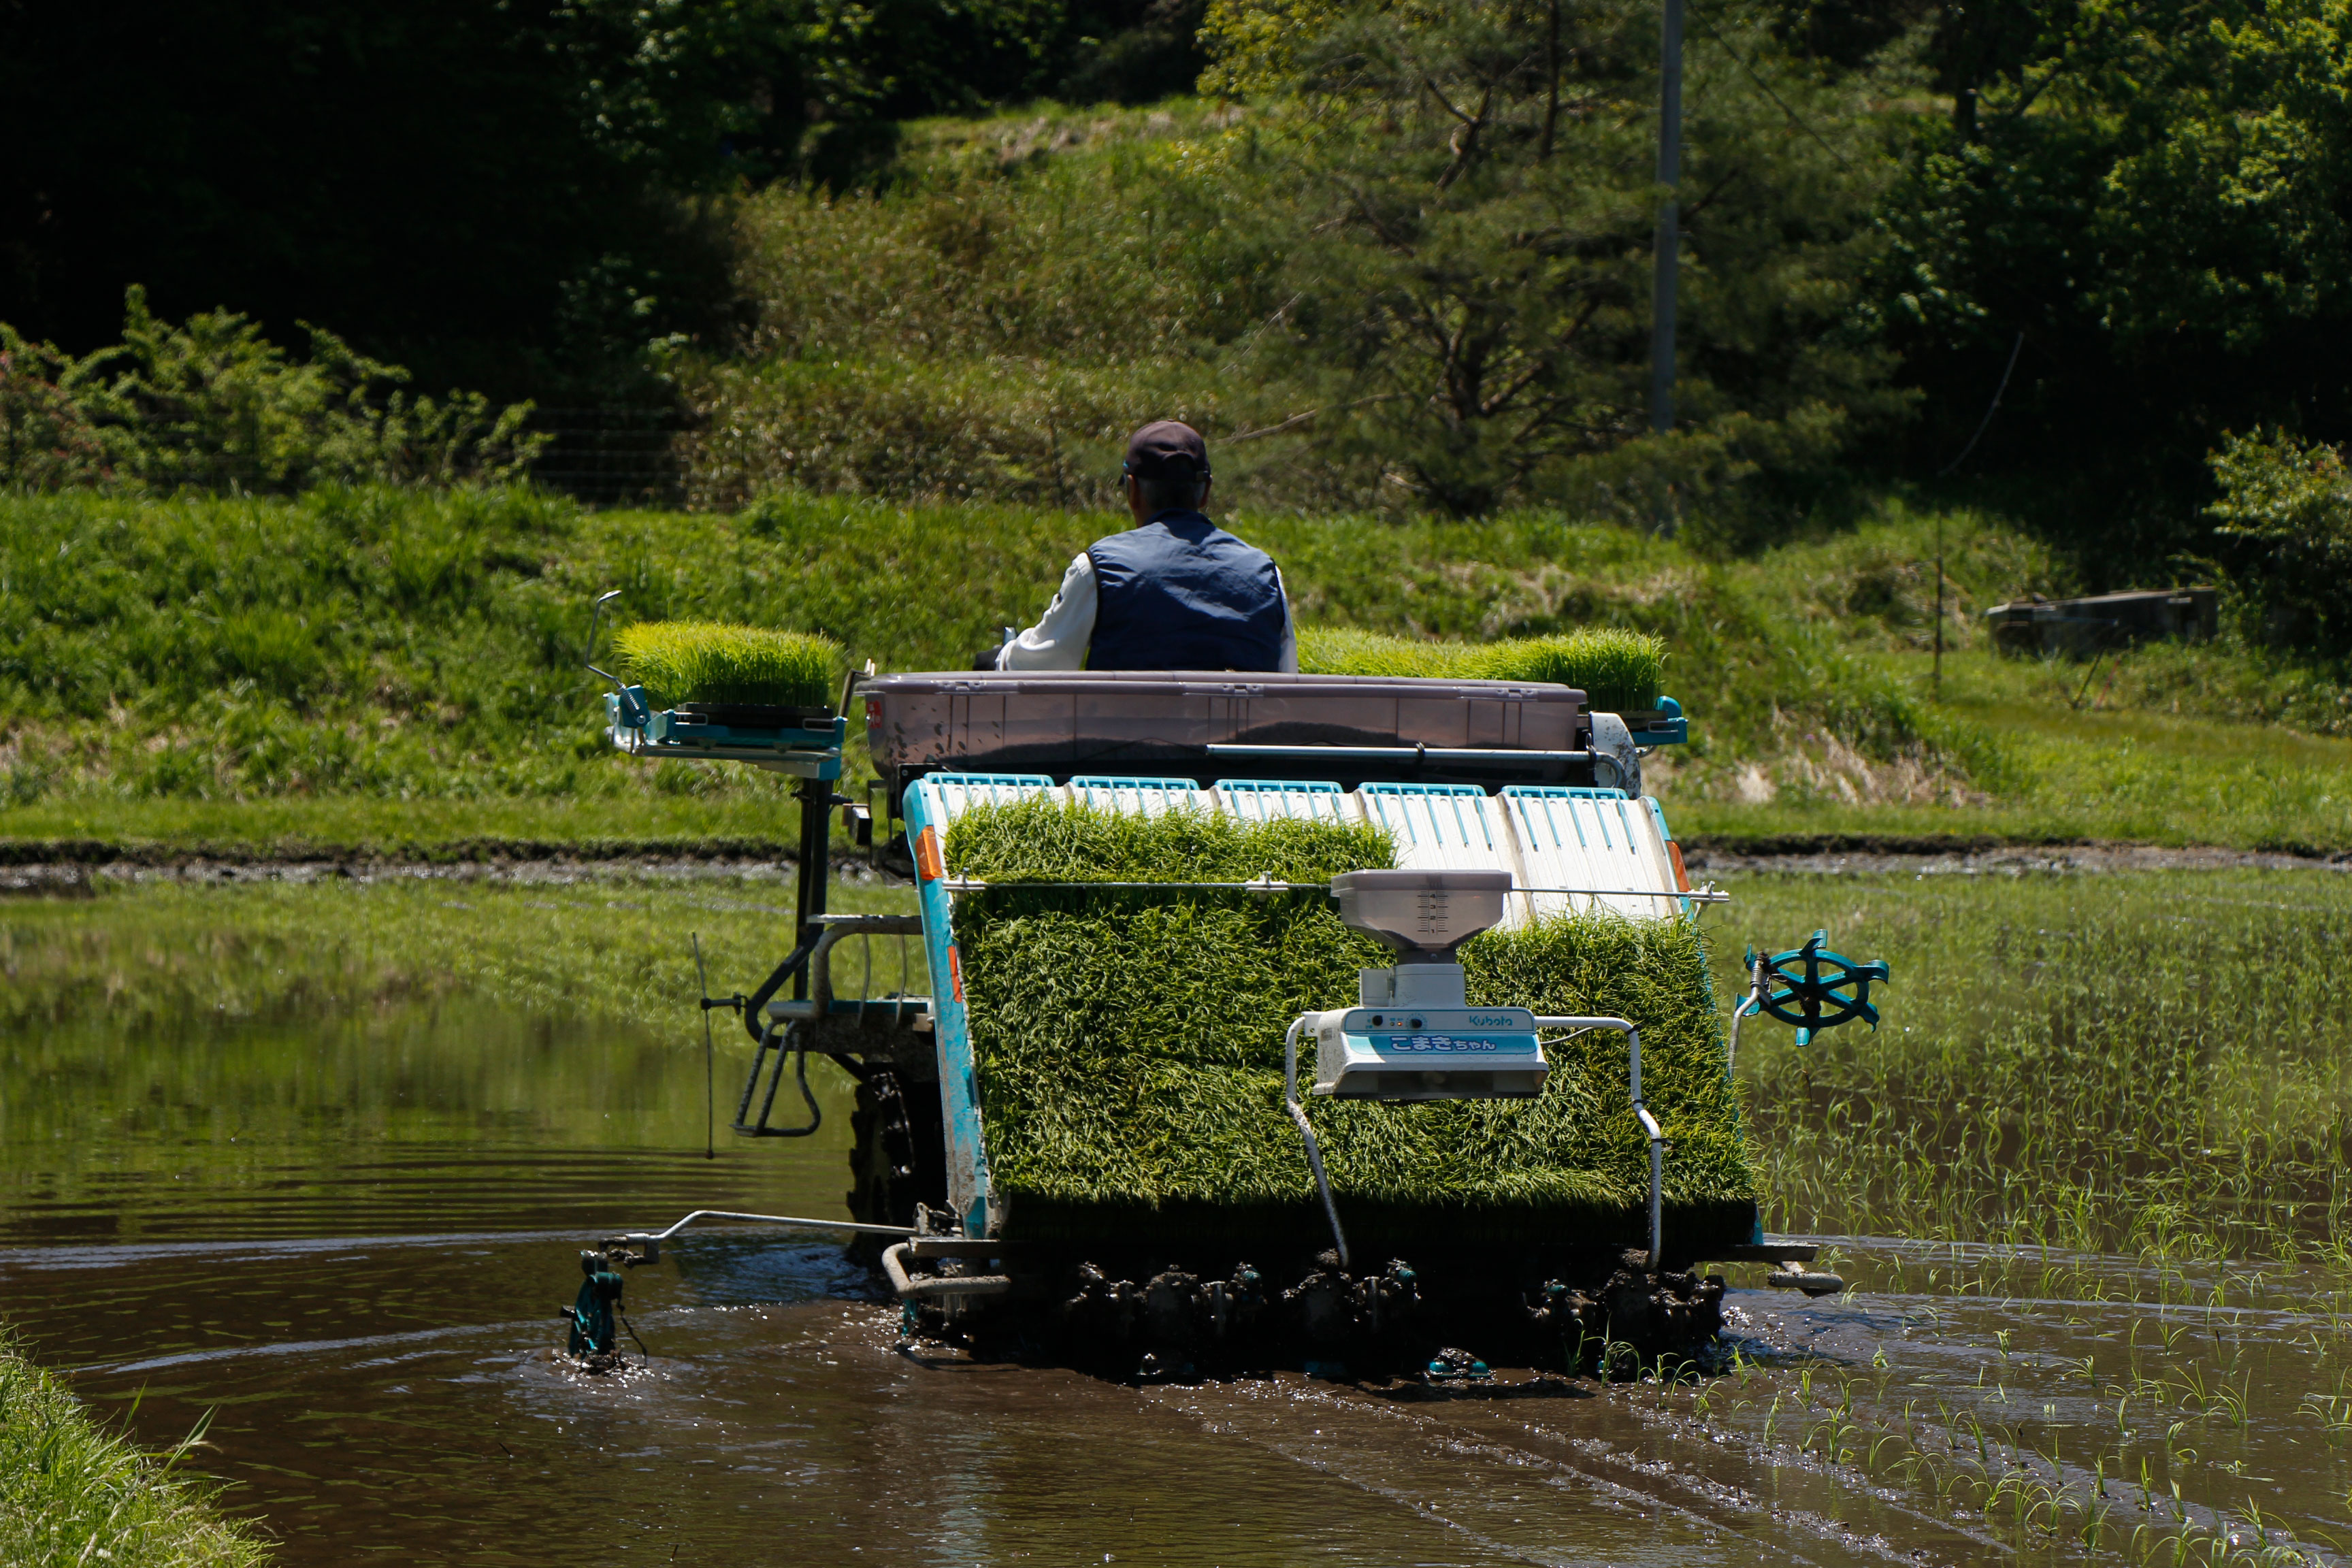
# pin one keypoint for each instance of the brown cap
(1168, 449)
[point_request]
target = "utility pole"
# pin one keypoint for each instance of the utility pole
(1670, 173)
(1939, 604)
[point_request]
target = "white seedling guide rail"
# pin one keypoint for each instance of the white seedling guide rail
(1616, 853)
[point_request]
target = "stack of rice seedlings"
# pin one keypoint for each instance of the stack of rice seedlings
(705, 662)
(1129, 1043)
(1618, 671)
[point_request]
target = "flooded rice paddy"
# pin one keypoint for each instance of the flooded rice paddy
(346, 1233)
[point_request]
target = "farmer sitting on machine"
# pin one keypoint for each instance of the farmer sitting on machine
(1174, 592)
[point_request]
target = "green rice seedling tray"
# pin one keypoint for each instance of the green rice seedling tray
(1619, 671)
(1126, 1061)
(708, 692)
(705, 662)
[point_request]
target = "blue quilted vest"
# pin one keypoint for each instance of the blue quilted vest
(1180, 593)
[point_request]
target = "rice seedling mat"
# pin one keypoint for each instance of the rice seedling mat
(733, 693)
(1617, 671)
(1111, 1057)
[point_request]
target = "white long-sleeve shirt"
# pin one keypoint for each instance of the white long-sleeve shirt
(1063, 634)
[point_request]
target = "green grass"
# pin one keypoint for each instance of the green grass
(688, 811)
(72, 1492)
(1129, 1047)
(396, 670)
(703, 661)
(1617, 671)
(2103, 1062)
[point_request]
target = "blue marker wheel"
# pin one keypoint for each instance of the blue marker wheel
(1816, 989)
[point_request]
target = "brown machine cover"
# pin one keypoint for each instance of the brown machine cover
(1131, 721)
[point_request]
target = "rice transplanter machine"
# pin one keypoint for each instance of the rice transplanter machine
(1509, 802)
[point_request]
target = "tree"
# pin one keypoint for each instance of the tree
(2155, 201)
(1471, 184)
(2284, 520)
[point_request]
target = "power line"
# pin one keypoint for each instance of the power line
(1994, 407)
(1795, 119)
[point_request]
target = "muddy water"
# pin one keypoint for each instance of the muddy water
(347, 1241)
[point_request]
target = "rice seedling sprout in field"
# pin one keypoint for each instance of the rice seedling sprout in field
(2126, 1062)
(704, 661)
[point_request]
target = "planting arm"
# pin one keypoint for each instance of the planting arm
(1299, 1115)
(1641, 1113)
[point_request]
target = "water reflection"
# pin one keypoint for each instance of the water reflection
(398, 1396)
(442, 1115)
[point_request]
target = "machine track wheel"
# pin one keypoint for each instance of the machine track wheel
(896, 1160)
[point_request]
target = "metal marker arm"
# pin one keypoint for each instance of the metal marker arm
(1306, 1129)
(1747, 1006)
(649, 1242)
(1401, 754)
(1650, 1127)
(634, 712)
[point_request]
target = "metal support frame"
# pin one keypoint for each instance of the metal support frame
(816, 839)
(1400, 754)
(1747, 1006)
(1650, 1127)
(1306, 1131)
(779, 1036)
(832, 931)
(894, 1265)
(1706, 894)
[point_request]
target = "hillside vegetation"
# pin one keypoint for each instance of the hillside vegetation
(2079, 262)
(393, 668)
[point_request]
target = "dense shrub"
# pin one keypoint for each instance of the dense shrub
(212, 404)
(2285, 520)
(1359, 313)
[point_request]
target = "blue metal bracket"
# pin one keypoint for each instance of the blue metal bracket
(1669, 730)
(812, 751)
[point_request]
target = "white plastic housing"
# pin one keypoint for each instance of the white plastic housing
(1403, 1051)
(1421, 913)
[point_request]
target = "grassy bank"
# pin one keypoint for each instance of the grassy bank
(398, 670)
(72, 1493)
